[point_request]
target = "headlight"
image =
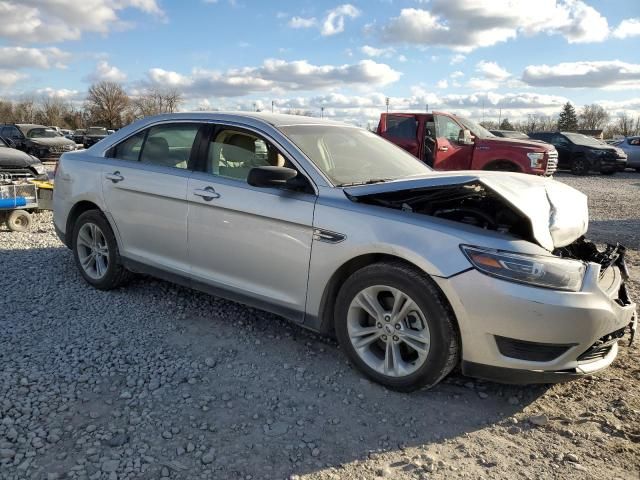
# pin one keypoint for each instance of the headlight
(536, 159)
(537, 270)
(39, 168)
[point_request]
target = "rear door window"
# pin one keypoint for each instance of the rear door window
(402, 127)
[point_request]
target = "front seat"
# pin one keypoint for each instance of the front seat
(156, 151)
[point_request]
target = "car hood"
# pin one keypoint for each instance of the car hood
(558, 213)
(50, 142)
(516, 142)
(10, 157)
(95, 136)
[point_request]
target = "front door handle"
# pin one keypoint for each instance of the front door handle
(115, 177)
(207, 193)
(443, 149)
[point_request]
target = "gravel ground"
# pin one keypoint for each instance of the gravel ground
(156, 381)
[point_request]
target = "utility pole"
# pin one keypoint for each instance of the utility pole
(386, 101)
(273, 102)
(427, 108)
(483, 109)
(500, 118)
(255, 107)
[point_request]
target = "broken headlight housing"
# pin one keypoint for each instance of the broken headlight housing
(537, 270)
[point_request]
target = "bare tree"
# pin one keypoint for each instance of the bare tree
(26, 111)
(157, 101)
(593, 117)
(52, 111)
(299, 111)
(107, 104)
(625, 125)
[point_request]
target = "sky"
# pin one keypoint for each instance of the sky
(481, 58)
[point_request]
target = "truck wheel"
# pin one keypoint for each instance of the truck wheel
(580, 166)
(502, 166)
(395, 327)
(19, 221)
(96, 253)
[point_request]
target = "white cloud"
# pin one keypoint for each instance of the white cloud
(27, 21)
(22, 57)
(465, 25)
(377, 52)
(443, 84)
(106, 72)
(612, 74)
(274, 75)
(456, 59)
(9, 77)
(300, 22)
(334, 22)
(492, 71)
(482, 84)
(61, 93)
(457, 74)
(627, 28)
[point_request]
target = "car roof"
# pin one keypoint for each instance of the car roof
(274, 119)
(26, 127)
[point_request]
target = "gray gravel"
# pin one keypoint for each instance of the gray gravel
(156, 381)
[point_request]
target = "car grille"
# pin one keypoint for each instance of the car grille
(602, 347)
(15, 173)
(552, 162)
(59, 148)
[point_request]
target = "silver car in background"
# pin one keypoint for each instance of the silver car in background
(414, 271)
(631, 146)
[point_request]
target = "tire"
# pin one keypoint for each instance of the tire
(106, 271)
(638, 170)
(580, 166)
(502, 166)
(427, 323)
(608, 172)
(19, 221)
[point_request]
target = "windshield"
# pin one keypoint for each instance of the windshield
(475, 128)
(521, 135)
(580, 139)
(348, 155)
(42, 133)
(97, 131)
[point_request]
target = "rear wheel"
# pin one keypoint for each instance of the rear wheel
(96, 252)
(395, 327)
(19, 221)
(580, 166)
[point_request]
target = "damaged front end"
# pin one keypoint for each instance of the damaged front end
(538, 210)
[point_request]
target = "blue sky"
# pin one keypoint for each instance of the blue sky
(521, 56)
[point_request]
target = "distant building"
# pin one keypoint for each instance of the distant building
(592, 133)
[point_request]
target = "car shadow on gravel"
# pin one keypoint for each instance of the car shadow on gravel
(158, 375)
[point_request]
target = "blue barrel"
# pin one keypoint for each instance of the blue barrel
(13, 202)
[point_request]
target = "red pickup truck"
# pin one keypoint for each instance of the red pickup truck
(448, 142)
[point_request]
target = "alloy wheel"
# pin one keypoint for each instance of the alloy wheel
(388, 331)
(93, 251)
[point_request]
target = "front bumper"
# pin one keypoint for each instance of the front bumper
(573, 324)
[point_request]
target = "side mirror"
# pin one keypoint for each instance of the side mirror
(270, 176)
(464, 137)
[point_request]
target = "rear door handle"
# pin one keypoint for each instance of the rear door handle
(443, 149)
(115, 177)
(207, 193)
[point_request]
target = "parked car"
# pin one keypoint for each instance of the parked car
(448, 142)
(333, 227)
(78, 135)
(93, 135)
(582, 154)
(37, 140)
(18, 165)
(510, 134)
(631, 148)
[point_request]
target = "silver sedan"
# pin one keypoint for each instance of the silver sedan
(631, 146)
(414, 271)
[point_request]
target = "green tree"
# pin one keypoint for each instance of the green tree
(568, 120)
(506, 125)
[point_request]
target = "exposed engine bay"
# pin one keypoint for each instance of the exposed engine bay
(470, 203)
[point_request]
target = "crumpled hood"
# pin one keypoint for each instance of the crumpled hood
(558, 213)
(10, 157)
(50, 142)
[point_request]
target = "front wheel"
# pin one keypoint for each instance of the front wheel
(396, 327)
(580, 166)
(96, 252)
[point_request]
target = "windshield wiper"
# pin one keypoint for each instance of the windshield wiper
(365, 182)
